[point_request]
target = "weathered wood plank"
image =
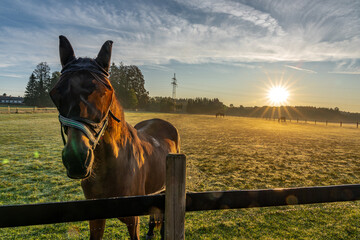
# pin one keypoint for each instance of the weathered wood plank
(175, 197)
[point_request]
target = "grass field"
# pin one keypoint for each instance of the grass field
(222, 154)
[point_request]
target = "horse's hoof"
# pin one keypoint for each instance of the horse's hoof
(149, 237)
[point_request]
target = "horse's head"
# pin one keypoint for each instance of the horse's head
(83, 96)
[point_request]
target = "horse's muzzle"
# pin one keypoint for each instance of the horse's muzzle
(77, 175)
(77, 164)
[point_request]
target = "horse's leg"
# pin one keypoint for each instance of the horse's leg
(162, 229)
(97, 228)
(133, 225)
(152, 225)
(157, 221)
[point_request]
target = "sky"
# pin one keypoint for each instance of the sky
(233, 50)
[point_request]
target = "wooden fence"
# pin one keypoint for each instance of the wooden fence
(326, 122)
(23, 109)
(174, 204)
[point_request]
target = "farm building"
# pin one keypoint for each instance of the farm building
(4, 99)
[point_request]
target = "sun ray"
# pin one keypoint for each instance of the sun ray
(273, 112)
(265, 111)
(287, 111)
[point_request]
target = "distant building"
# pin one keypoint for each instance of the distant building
(4, 99)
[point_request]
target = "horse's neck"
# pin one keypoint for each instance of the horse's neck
(116, 132)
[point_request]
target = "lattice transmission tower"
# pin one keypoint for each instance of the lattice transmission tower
(174, 83)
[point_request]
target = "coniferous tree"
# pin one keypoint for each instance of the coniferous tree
(42, 74)
(30, 97)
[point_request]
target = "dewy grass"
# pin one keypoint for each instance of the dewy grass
(222, 154)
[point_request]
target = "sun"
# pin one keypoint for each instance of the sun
(278, 95)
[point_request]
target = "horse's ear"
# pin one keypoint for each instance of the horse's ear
(104, 56)
(66, 51)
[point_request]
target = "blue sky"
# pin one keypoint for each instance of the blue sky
(232, 50)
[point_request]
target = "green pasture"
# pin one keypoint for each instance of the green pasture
(222, 154)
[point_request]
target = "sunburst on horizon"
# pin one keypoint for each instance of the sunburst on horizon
(278, 95)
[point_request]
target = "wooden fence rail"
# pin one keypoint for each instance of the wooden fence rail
(58, 212)
(23, 109)
(326, 122)
(46, 213)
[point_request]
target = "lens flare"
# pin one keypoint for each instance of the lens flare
(277, 95)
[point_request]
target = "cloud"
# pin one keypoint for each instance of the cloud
(11, 75)
(347, 66)
(239, 11)
(152, 33)
(158, 68)
(300, 69)
(351, 73)
(4, 65)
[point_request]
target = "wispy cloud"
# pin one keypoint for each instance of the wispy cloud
(351, 73)
(300, 69)
(347, 66)
(238, 10)
(4, 65)
(157, 32)
(12, 75)
(158, 68)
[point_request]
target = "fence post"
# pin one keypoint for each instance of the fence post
(340, 124)
(297, 120)
(175, 201)
(315, 122)
(326, 122)
(8, 109)
(357, 124)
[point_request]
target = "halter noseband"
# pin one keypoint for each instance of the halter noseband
(85, 125)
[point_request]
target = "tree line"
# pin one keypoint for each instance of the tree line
(128, 83)
(129, 86)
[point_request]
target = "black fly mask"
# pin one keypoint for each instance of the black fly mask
(71, 97)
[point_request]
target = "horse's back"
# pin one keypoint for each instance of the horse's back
(159, 129)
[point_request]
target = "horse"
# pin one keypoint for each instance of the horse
(220, 114)
(111, 157)
(282, 119)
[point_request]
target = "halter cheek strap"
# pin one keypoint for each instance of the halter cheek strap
(94, 139)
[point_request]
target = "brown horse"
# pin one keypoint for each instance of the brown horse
(110, 156)
(220, 114)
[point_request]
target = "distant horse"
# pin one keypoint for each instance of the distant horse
(282, 119)
(220, 114)
(111, 157)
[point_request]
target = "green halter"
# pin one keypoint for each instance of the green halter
(94, 138)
